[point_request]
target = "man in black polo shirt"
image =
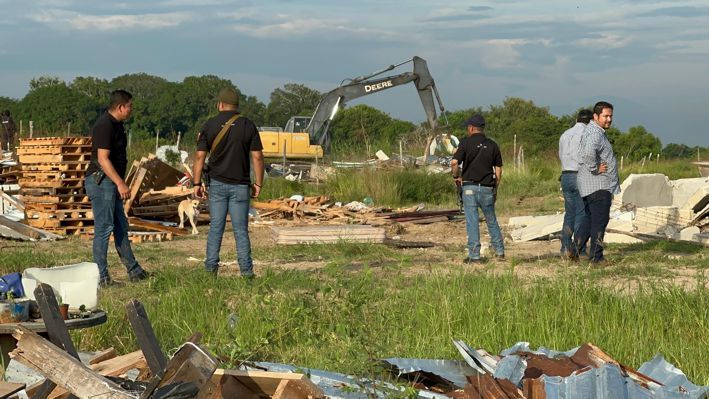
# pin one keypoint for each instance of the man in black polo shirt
(106, 188)
(482, 171)
(230, 187)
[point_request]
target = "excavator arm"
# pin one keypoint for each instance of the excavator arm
(334, 100)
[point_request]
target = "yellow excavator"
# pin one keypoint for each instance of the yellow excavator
(307, 136)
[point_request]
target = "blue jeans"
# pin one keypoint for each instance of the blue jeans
(475, 196)
(234, 199)
(573, 213)
(597, 207)
(109, 217)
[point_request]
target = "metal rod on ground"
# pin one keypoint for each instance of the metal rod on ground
(31, 128)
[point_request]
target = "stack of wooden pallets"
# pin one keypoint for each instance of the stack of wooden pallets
(52, 183)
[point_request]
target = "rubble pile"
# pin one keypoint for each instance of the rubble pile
(649, 207)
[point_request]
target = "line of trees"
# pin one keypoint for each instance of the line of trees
(165, 108)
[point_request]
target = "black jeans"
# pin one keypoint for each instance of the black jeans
(597, 207)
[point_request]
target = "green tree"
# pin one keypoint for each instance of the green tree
(46, 81)
(637, 143)
(673, 150)
(364, 127)
(292, 100)
(96, 88)
(55, 108)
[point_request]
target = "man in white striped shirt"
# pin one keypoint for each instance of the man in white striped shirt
(597, 180)
(573, 203)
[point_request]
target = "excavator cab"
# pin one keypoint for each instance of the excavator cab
(297, 124)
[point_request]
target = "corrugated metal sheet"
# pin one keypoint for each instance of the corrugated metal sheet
(341, 386)
(450, 370)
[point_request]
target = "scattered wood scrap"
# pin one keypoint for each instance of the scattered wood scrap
(328, 234)
(19, 231)
(146, 176)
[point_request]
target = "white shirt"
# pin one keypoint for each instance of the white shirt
(569, 147)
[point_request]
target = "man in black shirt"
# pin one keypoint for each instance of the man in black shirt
(232, 141)
(106, 188)
(482, 171)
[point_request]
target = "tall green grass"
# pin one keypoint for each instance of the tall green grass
(337, 320)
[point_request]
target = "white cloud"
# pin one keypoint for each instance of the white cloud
(605, 41)
(81, 21)
(289, 28)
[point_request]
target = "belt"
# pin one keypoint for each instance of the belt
(472, 183)
(569, 171)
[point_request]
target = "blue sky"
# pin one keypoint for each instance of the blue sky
(650, 58)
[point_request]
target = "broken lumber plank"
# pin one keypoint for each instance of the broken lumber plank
(135, 184)
(190, 364)
(133, 221)
(103, 355)
(145, 335)
(7, 197)
(29, 231)
(56, 329)
(7, 389)
(39, 354)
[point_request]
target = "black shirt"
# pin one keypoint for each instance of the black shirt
(230, 162)
(109, 134)
(479, 155)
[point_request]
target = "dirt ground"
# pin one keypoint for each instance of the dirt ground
(528, 260)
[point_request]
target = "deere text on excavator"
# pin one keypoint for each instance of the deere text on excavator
(308, 137)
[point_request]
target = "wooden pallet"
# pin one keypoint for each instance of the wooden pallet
(53, 175)
(70, 230)
(55, 223)
(49, 167)
(58, 183)
(61, 214)
(137, 237)
(56, 158)
(47, 141)
(55, 149)
(72, 200)
(54, 191)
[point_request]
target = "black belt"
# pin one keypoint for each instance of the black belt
(472, 183)
(569, 171)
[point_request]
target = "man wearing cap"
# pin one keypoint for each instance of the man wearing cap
(230, 187)
(106, 188)
(573, 203)
(481, 173)
(597, 181)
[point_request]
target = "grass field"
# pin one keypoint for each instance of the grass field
(338, 307)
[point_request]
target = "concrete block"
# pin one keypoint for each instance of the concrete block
(617, 238)
(646, 190)
(682, 189)
(654, 219)
(537, 227)
(698, 200)
(688, 234)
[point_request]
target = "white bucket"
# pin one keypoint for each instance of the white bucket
(76, 284)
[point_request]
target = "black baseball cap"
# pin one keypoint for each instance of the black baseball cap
(476, 120)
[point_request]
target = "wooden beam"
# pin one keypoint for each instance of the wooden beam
(145, 335)
(191, 363)
(157, 226)
(41, 355)
(56, 329)
(7, 389)
(103, 355)
(134, 187)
